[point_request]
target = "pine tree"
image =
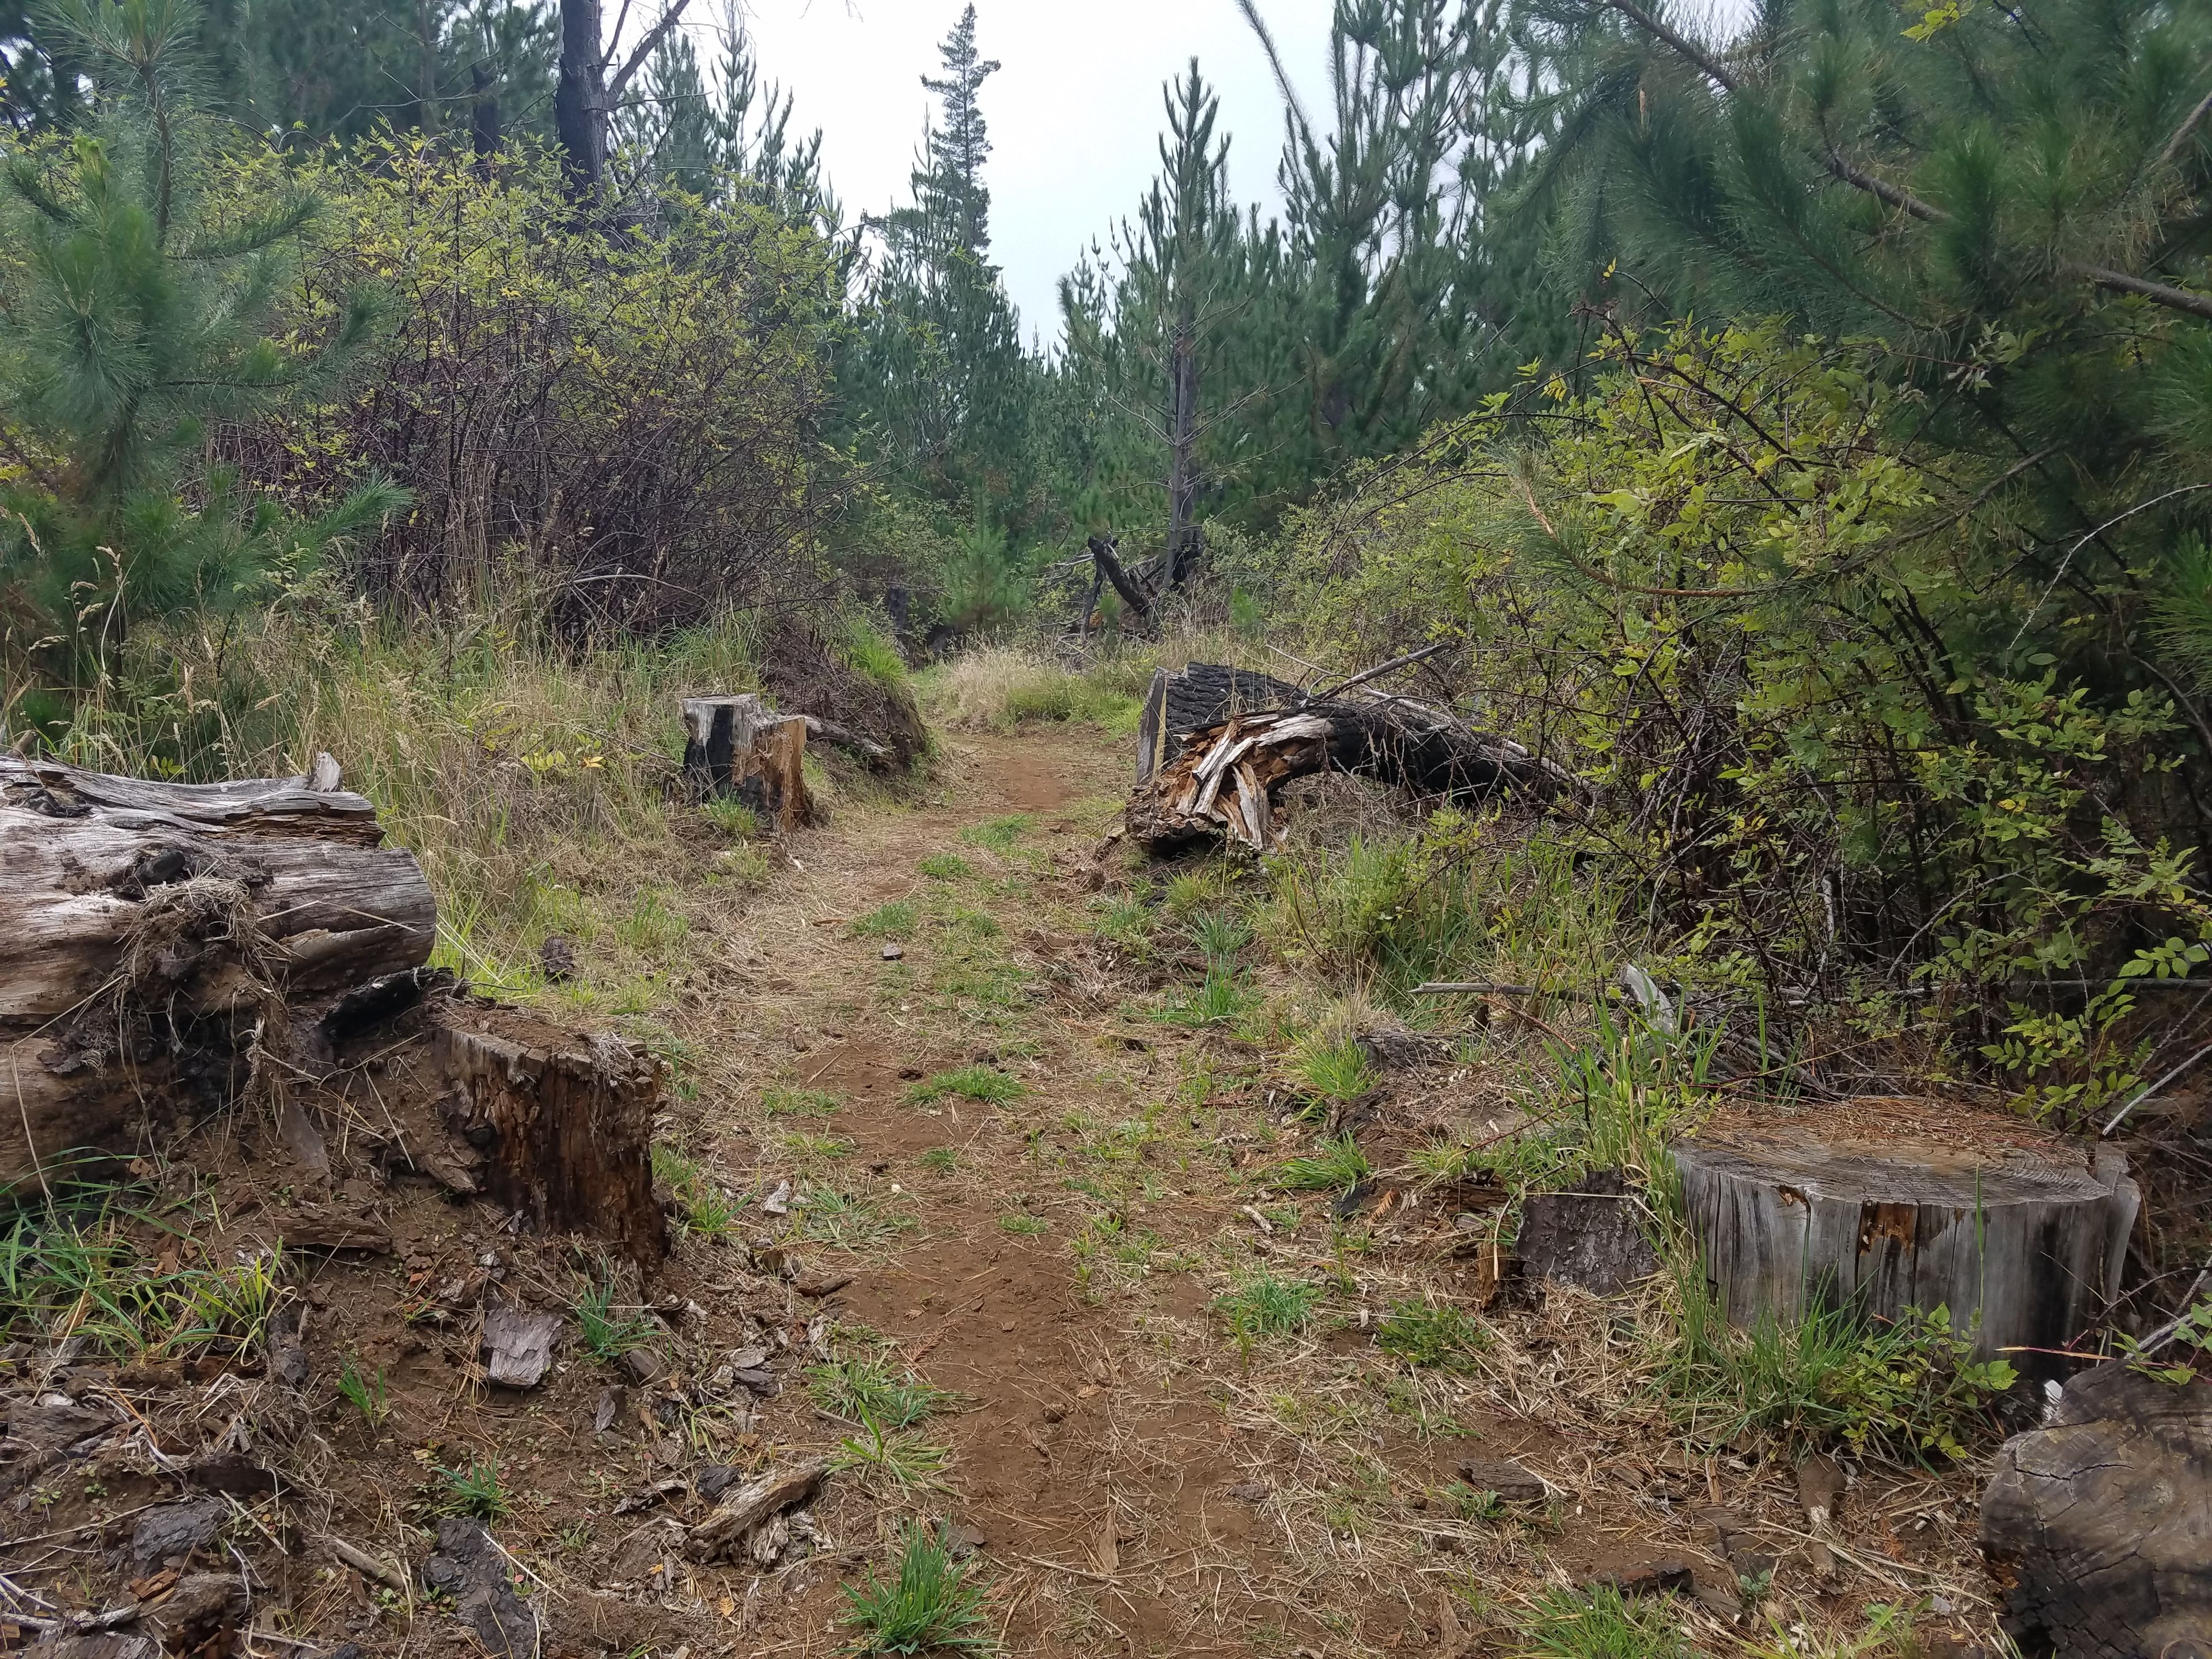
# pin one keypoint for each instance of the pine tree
(136, 328)
(936, 368)
(2018, 200)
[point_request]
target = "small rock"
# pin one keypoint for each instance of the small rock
(1512, 1483)
(712, 1481)
(760, 1382)
(893, 952)
(779, 1201)
(963, 1539)
(611, 1401)
(518, 1346)
(817, 1282)
(1821, 1560)
(169, 1531)
(1249, 1492)
(645, 1365)
(749, 1358)
(468, 1567)
(1820, 1488)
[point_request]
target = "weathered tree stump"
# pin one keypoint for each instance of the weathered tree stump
(2100, 1523)
(162, 937)
(2029, 1237)
(1593, 1237)
(739, 748)
(563, 1134)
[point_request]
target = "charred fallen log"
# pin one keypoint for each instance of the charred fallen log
(1225, 782)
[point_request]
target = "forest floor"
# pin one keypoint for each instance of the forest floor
(1160, 1399)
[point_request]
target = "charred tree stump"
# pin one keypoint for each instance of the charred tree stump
(1224, 782)
(162, 937)
(2100, 1523)
(1202, 695)
(563, 1134)
(738, 749)
(2029, 1240)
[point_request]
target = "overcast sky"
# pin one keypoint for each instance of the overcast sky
(1074, 114)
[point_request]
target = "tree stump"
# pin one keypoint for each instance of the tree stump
(2100, 1523)
(164, 936)
(563, 1134)
(1593, 1237)
(1875, 1210)
(738, 749)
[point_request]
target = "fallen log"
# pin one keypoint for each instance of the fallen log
(164, 939)
(1871, 1210)
(2099, 1524)
(1225, 780)
(739, 748)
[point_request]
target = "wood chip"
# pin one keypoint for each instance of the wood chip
(751, 1504)
(518, 1346)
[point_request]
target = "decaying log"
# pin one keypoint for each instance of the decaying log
(1224, 781)
(2100, 1523)
(1106, 558)
(161, 938)
(563, 1135)
(1200, 695)
(739, 748)
(2029, 1240)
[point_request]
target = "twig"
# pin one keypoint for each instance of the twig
(1378, 671)
(2121, 1116)
(369, 1566)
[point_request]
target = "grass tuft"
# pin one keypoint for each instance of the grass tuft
(474, 1491)
(1601, 1625)
(1267, 1306)
(1331, 1167)
(986, 1084)
(930, 1605)
(894, 921)
(1424, 1332)
(609, 1330)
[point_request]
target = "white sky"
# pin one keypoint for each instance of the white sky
(1074, 114)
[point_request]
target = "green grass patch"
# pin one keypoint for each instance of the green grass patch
(1331, 1167)
(864, 1385)
(946, 866)
(800, 1102)
(704, 1208)
(930, 1605)
(939, 1160)
(608, 1329)
(1333, 1071)
(1602, 1624)
(1024, 1226)
(474, 1491)
(1431, 1333)
(999, 834)
(895, 920)
(1267, 1306)
(984, 1083)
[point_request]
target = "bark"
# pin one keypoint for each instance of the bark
(1225, 780)
(1593, 1237)
(2032, 1243)
(2100, 1523)
(162, 938)
(483, 119)
(737, 748)
(1182, 446)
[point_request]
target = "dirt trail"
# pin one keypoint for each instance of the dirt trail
(1142, 1480)
(946, 1116)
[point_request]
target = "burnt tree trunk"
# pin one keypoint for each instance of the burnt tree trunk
(2029, 1242)
(160, 939)
(738, 749)
(1202, 694)
(1105, 556)
(2100, 1523)
(563, 1134)
(579, 98)
(1224, 781)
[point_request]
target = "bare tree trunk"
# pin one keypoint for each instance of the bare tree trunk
(579, 99)
(1183, 444)
(1107, 562)
(426, 32)
(484, 121)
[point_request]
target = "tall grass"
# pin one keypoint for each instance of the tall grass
(1461, 900)
(532, 780)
